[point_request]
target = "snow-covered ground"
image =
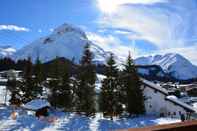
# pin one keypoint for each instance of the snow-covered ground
(73, 122)
(2, 95)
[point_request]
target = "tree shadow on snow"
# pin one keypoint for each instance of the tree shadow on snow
(124, 123)
(75, 122)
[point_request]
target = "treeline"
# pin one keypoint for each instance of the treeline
(8, 63)
(75, 92)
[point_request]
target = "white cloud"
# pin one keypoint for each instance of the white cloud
(113, 44)
(51, 29)
(14, 28)
(110, 6)
(170, 26)
(40, 30)
(122, 32)
(152, 24)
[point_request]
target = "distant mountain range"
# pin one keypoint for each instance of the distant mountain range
(68, 41)
(173, 64)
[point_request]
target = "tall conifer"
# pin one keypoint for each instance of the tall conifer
(86, 77)
(109, 96)
(134, 99)
(29, 88)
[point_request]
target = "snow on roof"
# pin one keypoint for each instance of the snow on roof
(36, 104)
(11, 70)
(175, 100)
(172, 97)
(3, 80)
(194, 105)
(155, 86)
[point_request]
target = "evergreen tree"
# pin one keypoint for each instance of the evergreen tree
(133, 94)
(67, 91)
(74, 85)
(39, 76)
(38, 70)
(55, 84)
(13, 87)
(64, 91)
(28, 87)
(86, 77)
(109, 101)
(60, 88)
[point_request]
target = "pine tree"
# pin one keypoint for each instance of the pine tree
(28, 87)
(13, 87)
(109, 101)
(86, 77)
(65, 97)
(38, 69)
(133, 94)
(55, 84)
(60, 88)
(67, 89)
(39, 76)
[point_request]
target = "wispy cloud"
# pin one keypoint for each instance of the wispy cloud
(153, 24)
(113, 44)
(14, 28)
(40, 30)
(110, 6)
(51, 29)
(168, 25)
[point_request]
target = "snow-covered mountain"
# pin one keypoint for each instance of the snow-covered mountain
(173, 64)
(68, 41)
(6, 51)
(65, 41)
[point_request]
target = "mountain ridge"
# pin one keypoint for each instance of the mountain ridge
(172, 63)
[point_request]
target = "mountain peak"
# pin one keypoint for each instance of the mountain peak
(68, 28)
(172, 63)
(65, 41)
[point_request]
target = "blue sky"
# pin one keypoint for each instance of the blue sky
(142, 26)
(39, 16)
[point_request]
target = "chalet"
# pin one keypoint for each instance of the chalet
(39, 106)
(159, 102)
(10, 74)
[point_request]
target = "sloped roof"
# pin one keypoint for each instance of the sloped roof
(180, 103)
(37, 104)
(154, 86)
(169, 98)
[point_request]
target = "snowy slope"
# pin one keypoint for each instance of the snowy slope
(6, 51)
(173, 64)
(151, 70)
(65, 41)
(73, 122)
